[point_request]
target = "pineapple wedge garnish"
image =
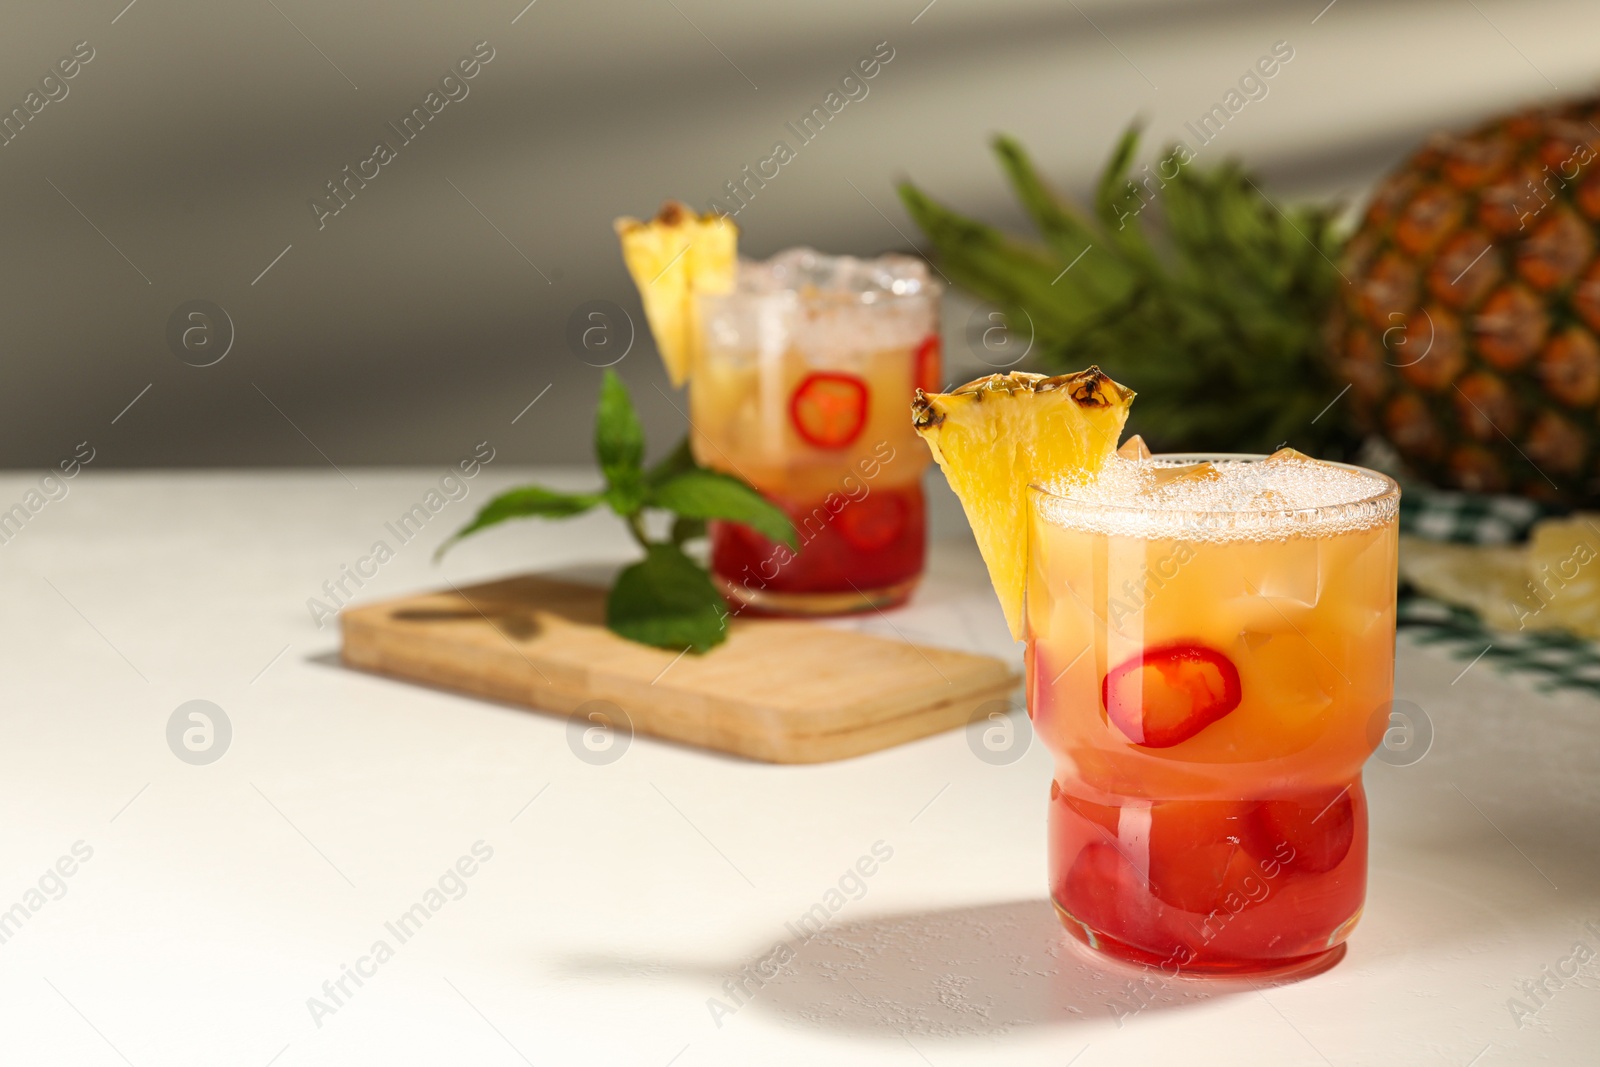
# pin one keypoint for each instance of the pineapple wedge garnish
(995, 436)
(673, 257)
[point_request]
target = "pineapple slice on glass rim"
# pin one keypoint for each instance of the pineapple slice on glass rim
(673, 258)
(999, 434)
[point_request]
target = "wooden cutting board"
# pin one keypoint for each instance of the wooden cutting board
(777, 690)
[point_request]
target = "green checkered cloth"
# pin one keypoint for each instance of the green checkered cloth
(1467, 518)
(1550, 660)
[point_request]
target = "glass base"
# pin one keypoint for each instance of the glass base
(1104, 946)
(746, 600)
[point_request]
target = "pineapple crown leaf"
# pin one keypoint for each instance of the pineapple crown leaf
(1216, 312)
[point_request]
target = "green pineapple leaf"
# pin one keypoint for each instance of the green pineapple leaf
(1196, 289)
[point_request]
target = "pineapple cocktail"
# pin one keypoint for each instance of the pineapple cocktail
(800, 370)
(800, 378)
(1207, 642)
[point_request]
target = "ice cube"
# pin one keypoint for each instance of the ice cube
(808, 269)
(1254, 639)
(794, 268)
(1134, 448)
(1288, 574)
(1285, 673)
(1284, 455)
(1187, 474)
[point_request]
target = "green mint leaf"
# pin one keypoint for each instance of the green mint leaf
(618, 438)
(681, 459)
(667, 600)
(529, 502)
(704, 494)
(626, 494)
(685, 529)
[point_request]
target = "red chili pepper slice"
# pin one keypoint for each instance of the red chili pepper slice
(829, 409)
(873, 522)
(1167, 694)
(1318, 829)
(928, 373)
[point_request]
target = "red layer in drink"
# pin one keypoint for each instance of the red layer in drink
(1208, 886)
(871, 543)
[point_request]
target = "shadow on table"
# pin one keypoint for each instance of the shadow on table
(974, 971)
(965, 971)
(513, 604)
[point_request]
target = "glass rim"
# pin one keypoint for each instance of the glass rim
(925, 287)
(809, 295)
(1390, 491)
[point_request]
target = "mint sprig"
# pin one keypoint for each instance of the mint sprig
(666, 599)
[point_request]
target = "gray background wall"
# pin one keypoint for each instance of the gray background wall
(432, 310)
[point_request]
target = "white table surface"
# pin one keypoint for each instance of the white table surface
(219, 898)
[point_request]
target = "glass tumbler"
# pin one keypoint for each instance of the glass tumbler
(1207, 682)
(800, 382)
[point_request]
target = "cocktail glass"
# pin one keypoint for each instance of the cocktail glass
(799, 385)
(1207, 682)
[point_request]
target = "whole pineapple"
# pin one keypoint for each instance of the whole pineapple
(1462, 314)
(1468, 328)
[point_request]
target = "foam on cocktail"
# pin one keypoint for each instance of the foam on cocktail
(1285, 495)
(827, 307)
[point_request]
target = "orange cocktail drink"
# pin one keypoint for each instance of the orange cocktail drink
(799, 382)
(1208, 641)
